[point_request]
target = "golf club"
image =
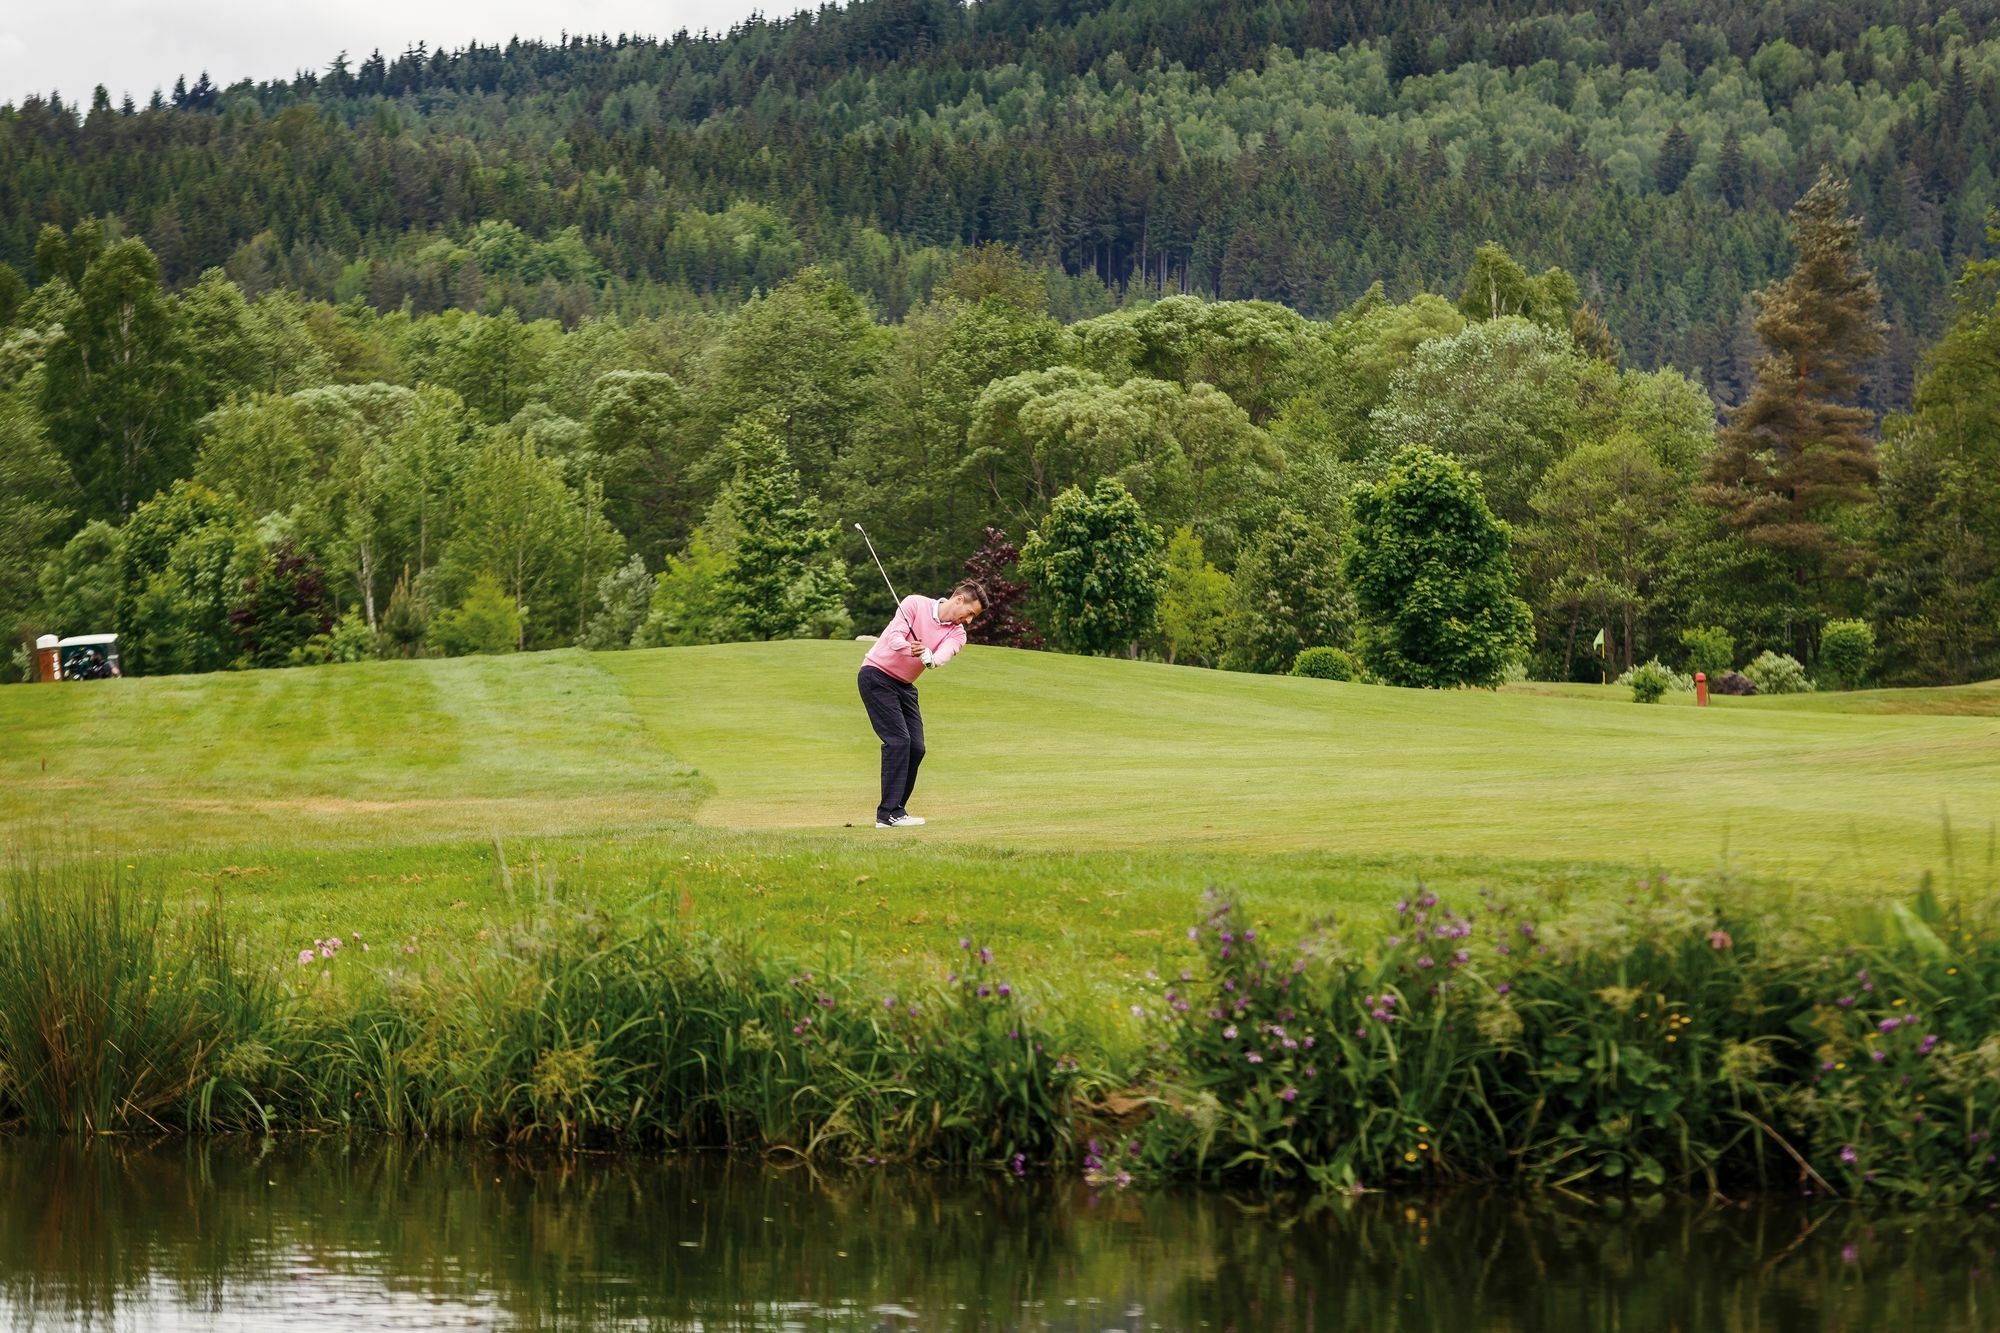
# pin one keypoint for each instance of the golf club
(878, 561)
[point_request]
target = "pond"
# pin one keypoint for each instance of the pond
(238, 1235)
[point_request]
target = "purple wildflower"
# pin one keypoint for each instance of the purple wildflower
(1289, 1095)
(1848, 1155)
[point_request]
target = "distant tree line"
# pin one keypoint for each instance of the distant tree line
(1445, 490)
(1289, 150)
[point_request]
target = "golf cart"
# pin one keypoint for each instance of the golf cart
(79, 657)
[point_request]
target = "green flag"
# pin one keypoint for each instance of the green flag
(1598, 642)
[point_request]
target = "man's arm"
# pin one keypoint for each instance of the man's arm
(954, 640)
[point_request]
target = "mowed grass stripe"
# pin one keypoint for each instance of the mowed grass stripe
(381, 752)
(1048, 752)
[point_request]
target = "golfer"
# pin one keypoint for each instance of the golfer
(924, 634)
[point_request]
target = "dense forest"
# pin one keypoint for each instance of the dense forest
(1290, 150)
(1677, 318)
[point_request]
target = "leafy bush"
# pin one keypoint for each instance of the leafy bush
(1650, 681)
(1325, 664)
(486, 622)
(1846, 651)
(1710, 650)
(1778, 673)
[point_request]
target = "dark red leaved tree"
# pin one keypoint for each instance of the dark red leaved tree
(1002, 622)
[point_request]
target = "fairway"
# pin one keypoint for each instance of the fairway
(1052, 752)
(1079, 806)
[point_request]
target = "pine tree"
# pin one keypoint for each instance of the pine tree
(1676, 159)
(1731, 174)
(1797, 455)
(785, 582)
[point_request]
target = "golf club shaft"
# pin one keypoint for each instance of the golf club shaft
(878, 562)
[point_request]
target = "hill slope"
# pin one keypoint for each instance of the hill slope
(1041, 753)
(1295, 150)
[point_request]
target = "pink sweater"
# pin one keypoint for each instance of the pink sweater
(915, 622)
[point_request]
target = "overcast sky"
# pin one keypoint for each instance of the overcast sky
(137, 45)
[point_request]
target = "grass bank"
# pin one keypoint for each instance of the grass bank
(1678, 1037)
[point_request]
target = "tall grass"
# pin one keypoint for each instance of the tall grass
(112, 1017)
(574, 1026)
(1674, 1040)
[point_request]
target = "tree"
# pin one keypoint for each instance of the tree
(690, 599)
(1676, 159)
(1602, 530)
(220, 339)
(283, 606)
(637, 430)
(35, 505)
(116, 396)
(1497, 286)
(1001, 620)
(79, 584)
(1732, 176)
(1288, 596)
(624, 597)
(544, 543)
(1503, 397)
(1428, 566)
(1097, 565)
(1797, 459)
(487, 621)
(1195, 604)
(801, 358)
(1936, 589)
(785, 580)
(185, 557)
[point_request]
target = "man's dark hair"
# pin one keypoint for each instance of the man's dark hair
(974, 589)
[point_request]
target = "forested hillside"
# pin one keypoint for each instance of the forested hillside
(1231, 334)
(1293, 150)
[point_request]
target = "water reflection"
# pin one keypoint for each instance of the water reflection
(235, 1236)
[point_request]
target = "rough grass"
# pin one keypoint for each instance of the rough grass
(1079, 806)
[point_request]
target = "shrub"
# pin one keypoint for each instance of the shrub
(1777, 673)
(486, 622)
(1846, 651)
(1650, 681)
(1325, 664)
(1710, 650)
(406, 624)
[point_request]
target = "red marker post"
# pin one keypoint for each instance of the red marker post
(1701, 689)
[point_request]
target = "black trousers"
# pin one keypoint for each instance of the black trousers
(892, 711)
